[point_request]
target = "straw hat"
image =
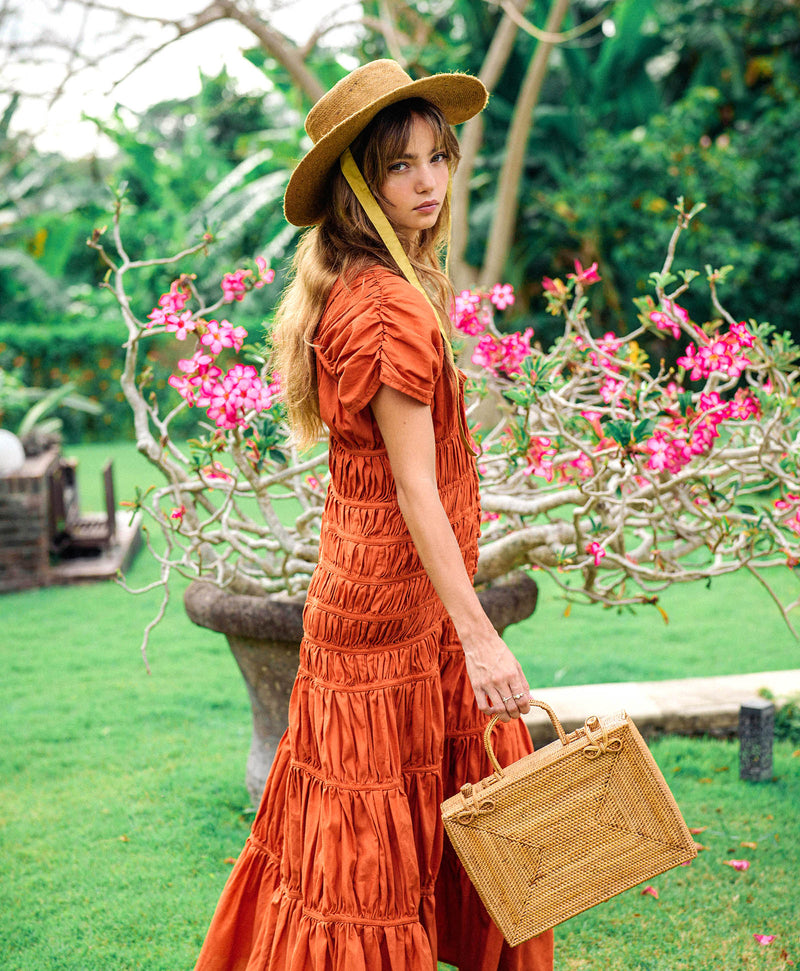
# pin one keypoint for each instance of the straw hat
(346, 110)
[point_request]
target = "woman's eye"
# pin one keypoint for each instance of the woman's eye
(397, 167)
(440, 157)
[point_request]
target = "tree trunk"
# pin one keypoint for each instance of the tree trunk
(463, 275)
(505, 213)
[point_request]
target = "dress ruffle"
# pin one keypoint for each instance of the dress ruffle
(346, 867)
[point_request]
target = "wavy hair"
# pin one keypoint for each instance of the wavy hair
(344, 244)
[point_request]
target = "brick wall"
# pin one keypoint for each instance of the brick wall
(25, 523)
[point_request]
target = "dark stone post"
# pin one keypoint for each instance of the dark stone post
(756, 731)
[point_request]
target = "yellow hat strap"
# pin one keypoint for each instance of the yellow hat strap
(377, 217)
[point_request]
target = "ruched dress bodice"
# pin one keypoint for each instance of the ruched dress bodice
(346, 867)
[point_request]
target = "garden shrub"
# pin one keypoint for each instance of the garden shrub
(89, 354)
(746, 176)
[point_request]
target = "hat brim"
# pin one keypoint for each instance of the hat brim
(459, 97)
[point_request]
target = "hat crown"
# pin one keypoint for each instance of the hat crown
(356, 91)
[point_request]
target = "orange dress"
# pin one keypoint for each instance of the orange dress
(346, 867)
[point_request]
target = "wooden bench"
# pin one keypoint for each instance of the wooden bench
(73, 531)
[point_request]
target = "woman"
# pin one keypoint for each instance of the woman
(345, 867)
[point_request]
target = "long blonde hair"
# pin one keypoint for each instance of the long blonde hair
(344, 244)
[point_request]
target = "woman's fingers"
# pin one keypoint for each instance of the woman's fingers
(512, 700)
(494, 705)
(497, 679)
(522, 698)
(515, 693)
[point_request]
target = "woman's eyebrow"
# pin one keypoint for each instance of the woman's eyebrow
(411, 157)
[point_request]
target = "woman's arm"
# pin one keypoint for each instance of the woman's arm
(407, 429)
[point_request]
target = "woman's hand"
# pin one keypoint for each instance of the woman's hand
(496, 677)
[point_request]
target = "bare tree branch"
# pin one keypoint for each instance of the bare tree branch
(548, 37)
(389, 31)
(278, 46)
(77, 54)
(327, 25)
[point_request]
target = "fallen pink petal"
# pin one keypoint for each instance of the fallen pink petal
(763, 939)
(652, 891)
(737, 864)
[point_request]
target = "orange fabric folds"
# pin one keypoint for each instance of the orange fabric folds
(346, 868)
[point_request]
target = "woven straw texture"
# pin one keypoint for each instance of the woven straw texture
(566, 827)
(346, 110)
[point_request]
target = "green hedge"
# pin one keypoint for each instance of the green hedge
(91, 355)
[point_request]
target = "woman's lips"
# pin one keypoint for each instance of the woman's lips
(427, 206)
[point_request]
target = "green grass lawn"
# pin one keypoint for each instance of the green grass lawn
(123, 794)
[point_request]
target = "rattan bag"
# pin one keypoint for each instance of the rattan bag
(570, 825)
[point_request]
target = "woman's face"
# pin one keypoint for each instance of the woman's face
(415, 187)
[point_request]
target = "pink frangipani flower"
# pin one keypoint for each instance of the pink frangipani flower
(516, 347)
(176, 299)
(764, 939)
(741, 335)
(217, 472)
(234, 286)
(787, 503)
(743, 406)
(582, 467)
(556, 287)
(239, 392)
(181, 326)
(502, 295)
(158, 317)
(611, 389)
(221, 334)
(265, 275)
(722, 354)
(587, 275)
(738, 864)
(506, 354)
(609, 345)
(540, 455)
(467, 315)
(668, 316)
(185, 385)
(595, 550)
(170, 308)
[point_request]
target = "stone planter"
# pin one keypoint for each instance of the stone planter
(264, 635)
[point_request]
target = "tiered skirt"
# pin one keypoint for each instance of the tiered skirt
(346, 867)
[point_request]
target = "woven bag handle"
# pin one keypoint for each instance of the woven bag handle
(487, 735)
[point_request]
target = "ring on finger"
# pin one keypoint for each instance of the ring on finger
(509, 698)
(520, 695)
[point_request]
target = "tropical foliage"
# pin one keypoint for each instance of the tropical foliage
(641, 101)
(32, 412)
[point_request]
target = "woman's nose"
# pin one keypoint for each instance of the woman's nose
(425, 180)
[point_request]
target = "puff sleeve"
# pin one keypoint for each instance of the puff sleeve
(380, 330)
